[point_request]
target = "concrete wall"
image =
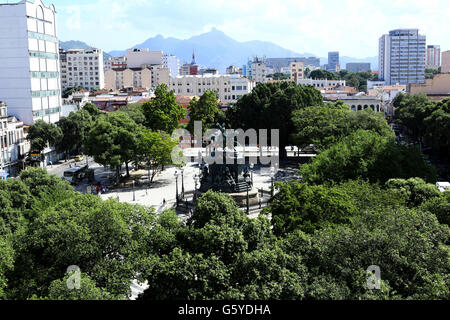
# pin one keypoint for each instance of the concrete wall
(439, 85)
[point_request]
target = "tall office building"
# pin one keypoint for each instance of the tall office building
(446, 62)
(173, 63)
(82, 68)
(357, 66)
(30, 81)
(333, 62)
(433, 56)
(402, 55)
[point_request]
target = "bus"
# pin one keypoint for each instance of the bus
(76, 174)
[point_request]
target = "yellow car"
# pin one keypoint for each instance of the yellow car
(79, 158)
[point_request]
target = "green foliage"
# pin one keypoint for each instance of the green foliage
(299, 206)
(39, 182)
(6, 261)
(75, 129)
(155, 148)
(163, 113)
(70, 91)
(135, 112)
(323, 74)
(279, 76)
(439, 206)
(257, 109)
(206, 110)
(103, 238)
(411, 111)
(438, 128)
(408, 246)
(59, 290)
(414, 190)
(41, 134)
(92, 110)
(367, 155)
(113, 140)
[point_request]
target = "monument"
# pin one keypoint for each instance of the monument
(232, 176)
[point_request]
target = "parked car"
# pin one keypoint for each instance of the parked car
(79, 158)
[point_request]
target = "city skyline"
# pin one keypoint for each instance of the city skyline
(300, 26)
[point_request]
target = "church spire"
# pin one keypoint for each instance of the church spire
(193, 58)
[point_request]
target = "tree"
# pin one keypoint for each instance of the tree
(70, 91)
(323, 74)
(367, 155)
(279, 76)
(75, 129)
(113, 140)
(163, 113)
(155, 148)
(88, 290)
(92, 109)
(407, 245)
(270, 106)
(437, 126)
(6, 261)
(206, 110)
(439, 206)
(411, 111)
(414, 190)
(42, 134)
(324, 125)
(135, 112)
(103, 238)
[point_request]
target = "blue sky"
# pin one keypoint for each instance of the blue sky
(316, 26)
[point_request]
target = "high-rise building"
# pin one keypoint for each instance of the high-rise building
(115, 63)
(333, 61)
(82, 68)
(173, 63)
(402, 55)
(445, 62)
(30, 82)
(259, 70)
(357, 66)
(433, 56)
(138, 57)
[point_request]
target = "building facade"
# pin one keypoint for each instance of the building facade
(297, 70)
(233, 70)
(172, 63)
(321, 83)
(437, 88)
(259, 70)
(229, 88)
(113, 63)
(433, 56)
(402, 57)
(30, 81)
(333, 62)
(12, 143)
(279, 63)
(138, 57)
(445, 62)
(147, 77)
(357, 66)
(82, 68)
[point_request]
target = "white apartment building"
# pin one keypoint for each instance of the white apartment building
(228, 87)
(147, 77)
(115, 63)
(321, 83)
(12, 142)
(259, 70)
(82, 68)
(173, 63)
(138, 57)
(402, 57)
(30, 80)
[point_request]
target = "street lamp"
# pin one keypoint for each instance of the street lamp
(182, 183)
(247, 181)
(176, 178)
(251, 170)
(272, 176)
(134, 192)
